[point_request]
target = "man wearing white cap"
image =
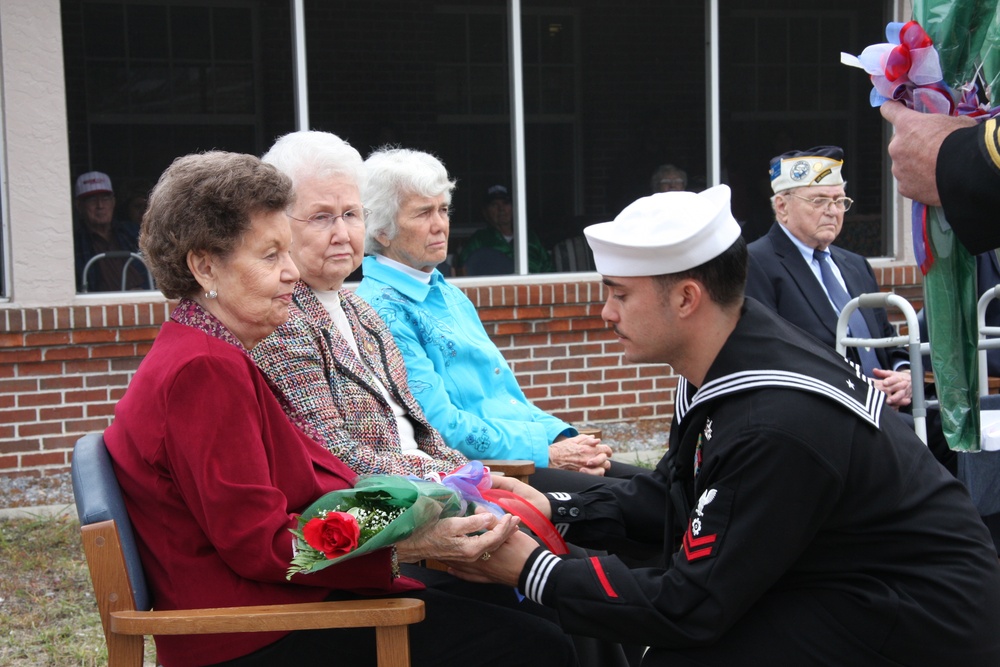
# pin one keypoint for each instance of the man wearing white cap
(98, 233)
(797, 271)
(807, 524)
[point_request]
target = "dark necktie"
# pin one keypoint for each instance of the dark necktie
(840, 297)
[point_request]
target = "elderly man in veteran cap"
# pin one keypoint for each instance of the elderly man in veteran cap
(807, 524)
(797, 271)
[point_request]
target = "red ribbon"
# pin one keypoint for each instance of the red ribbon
(533, 520)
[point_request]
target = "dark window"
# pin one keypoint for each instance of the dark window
(148, 82)
(783, 88)
(473, 113)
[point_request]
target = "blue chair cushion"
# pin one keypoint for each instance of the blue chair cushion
(99, 498)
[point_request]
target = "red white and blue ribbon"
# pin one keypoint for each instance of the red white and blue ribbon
(907, 69)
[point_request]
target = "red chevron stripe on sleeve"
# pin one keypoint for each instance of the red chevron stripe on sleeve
(698, 547)
(602, 577)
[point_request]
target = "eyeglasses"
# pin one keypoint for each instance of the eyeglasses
(824, 202)
(325, 221)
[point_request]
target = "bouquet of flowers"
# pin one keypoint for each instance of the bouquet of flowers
(378, 512)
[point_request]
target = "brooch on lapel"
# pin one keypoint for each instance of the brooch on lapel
(704, 436)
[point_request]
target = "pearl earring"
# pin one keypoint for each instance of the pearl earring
(211, 294)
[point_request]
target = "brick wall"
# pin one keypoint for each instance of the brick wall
(567, 360)
(61, 372)
(63, 369)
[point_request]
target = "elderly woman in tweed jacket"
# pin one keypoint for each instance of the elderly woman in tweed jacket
(335, 360)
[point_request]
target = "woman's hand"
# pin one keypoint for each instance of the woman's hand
(453, 539)
(580, 453)
(503, 566)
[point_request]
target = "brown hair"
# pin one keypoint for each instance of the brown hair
(204, 202)
(724, 276)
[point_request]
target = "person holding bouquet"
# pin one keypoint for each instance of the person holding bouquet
(952, 162)
(214, 474)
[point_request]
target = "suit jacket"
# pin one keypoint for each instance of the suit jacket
(327, 386)
(780, 278)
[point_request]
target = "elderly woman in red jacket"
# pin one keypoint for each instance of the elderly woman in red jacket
(214, 473)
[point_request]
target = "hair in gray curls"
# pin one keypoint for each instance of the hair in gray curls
(312, 154)
(392, 175)
(205, 202)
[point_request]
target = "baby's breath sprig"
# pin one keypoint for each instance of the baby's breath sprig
(373, 520)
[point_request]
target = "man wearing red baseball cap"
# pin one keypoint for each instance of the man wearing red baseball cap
(97, 234)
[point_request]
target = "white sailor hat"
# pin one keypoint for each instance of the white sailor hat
(817, 166)
(667, 232)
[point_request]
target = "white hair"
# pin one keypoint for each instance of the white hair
(392, 175)
(312, 154)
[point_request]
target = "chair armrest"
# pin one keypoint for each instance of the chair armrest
(267, 618)
(516, 468)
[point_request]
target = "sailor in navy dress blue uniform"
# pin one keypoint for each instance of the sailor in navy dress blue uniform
(807, 524)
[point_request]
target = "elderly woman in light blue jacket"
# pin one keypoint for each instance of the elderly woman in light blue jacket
(459, 377)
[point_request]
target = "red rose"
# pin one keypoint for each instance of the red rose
(335, 535)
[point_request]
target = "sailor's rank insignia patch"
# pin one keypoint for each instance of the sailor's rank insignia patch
(707, 524)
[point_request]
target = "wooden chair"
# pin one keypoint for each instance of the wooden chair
(124, 603)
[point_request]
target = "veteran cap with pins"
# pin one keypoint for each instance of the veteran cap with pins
(667, 232)
(817, 166)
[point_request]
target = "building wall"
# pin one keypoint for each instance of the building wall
(65, 358)
(63, 368)
(39, 213)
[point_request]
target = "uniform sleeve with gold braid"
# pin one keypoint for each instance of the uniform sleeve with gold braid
(968, 179)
